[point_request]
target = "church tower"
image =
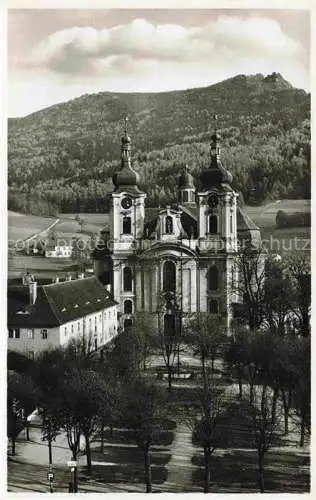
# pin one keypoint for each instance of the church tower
(217, 233)
(128, 201)
(127, 217)
(217, 201)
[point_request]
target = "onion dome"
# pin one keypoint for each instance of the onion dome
(126, 177)
(186, 180)
(215, 174)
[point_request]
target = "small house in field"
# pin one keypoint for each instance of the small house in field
(47, 316)
(58, 246)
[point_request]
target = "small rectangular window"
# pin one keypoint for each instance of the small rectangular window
(30, 334)
(78, 326)
(44, 333)
(10, 333)
(65, 330)
(17, 333)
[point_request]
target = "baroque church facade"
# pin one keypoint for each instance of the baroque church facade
(178, 260)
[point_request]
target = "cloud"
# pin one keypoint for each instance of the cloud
(79, 50)
(141, 56)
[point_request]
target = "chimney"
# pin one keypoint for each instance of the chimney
(33, 291)
(26, 278)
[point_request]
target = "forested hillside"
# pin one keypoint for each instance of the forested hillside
(62, 158)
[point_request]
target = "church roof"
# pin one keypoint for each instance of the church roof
(189, 219)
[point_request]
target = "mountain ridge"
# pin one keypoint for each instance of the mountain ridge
(274, 78)
(71, 150)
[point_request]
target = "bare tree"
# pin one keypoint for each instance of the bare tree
(207, 336)
(169, 342)
(249, 287)
(22, 398)
(207, 419)
(302, 390)
(142, 410)
(264, 428)
(145, 335)
(298, 267)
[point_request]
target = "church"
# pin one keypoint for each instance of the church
(178, 260)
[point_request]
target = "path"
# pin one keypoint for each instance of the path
(180, 468)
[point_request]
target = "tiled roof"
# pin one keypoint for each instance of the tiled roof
(57, 303)
(244, 223)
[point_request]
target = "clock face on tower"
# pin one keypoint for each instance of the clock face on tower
(126, 202)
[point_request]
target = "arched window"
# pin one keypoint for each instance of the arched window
(213, 278)
(127, 279)
(213, 307)
(128, 307)
(169, 324)
(169, 277)
(128, 323)
(185, 196)
(169, 225)
(127, 225)
(212, 224)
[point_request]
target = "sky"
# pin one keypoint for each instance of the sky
(55, 55)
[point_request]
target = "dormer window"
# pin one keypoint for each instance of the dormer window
(23, 311)
(169, 225)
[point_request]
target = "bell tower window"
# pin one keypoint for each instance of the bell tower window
(127, 279)
(169, 277)
(212, 224)
(169, 225)
(127, 225)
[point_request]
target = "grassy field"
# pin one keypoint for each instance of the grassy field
(264, 215)
(93, 222)
(281, 240)
(21, 227)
